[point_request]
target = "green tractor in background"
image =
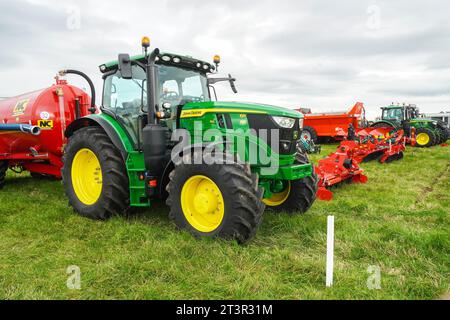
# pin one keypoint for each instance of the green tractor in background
(428, 132)
(132, 154)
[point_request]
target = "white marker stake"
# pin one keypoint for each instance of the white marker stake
(330, 251)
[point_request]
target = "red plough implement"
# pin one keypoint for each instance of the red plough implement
(384, 144)
(336, 168)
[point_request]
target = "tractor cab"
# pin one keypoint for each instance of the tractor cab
(172, 82)
(178, 80)
(399, 113)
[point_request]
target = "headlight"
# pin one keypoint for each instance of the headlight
(284, 122)
(176, 60)
(302, 121)
(166, 58)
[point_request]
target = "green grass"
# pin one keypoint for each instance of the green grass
(399, 221)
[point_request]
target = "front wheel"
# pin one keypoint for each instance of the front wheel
(297, 196)
(219, 200)
(94, 175)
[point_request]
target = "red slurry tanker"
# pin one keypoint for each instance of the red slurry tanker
(32, 127)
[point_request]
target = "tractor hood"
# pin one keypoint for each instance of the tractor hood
(198, 109)
(424, 120)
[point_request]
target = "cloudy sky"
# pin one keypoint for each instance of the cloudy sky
(325, 55)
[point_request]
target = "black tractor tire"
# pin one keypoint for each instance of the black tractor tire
(432, 138)
(444, 135)
(310, 133)
(240, 191)
(3, 169)
(115, 197)
(439, 137)
(443, 130)
(303, 192)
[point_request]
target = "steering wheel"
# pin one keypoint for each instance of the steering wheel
(170, 95)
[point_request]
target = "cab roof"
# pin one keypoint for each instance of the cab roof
(396, 106)
(166, 58)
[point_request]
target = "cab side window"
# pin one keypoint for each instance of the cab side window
(126, 98)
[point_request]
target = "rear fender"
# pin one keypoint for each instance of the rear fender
(384, 122)
(106, 124)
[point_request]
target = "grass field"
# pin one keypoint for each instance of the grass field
(399, 222)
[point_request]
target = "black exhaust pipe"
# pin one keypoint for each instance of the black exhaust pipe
(92, 109)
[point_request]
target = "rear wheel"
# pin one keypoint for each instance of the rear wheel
(443, 130)
(94, 175)
(3, 169)
(309, 133)
(444, 135)
(437, 137)
(218, 200)
(297, 196)
(425, 138)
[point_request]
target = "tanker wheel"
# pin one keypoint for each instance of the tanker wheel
(425, 138)
(218, 200)
(3, 169)
(309, 133)
(94, 175)
(298, 196)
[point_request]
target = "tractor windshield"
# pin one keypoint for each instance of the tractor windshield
(393, 114)
(178, 86)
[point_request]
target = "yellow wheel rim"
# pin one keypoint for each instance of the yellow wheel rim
(423, 139)
(86, 177)
(278, 198)
(202, 203)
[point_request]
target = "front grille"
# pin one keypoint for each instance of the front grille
(288, 137)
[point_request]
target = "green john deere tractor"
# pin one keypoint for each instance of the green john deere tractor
(428, 132)
(161, 136)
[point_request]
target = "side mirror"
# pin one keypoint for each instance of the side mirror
(230, 79)
(232, 83)
(125, 66)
